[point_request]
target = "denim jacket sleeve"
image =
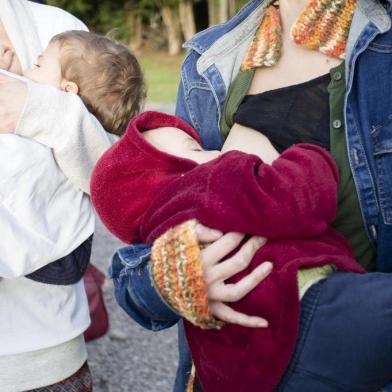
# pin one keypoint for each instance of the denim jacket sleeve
(135, 291)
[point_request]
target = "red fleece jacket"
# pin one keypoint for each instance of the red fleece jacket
(140, 192)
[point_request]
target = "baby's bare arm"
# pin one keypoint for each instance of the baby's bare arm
(250, 141)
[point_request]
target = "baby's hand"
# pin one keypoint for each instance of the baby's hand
(8, 60)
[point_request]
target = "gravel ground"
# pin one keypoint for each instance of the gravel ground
(129, 358)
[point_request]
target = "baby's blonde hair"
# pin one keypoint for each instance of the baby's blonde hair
(108, 76)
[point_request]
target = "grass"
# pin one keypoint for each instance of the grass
(162, 73)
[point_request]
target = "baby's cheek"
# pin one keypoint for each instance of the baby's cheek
(28, 73)
(33, 74)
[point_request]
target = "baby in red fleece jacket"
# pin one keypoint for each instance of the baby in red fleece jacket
(158, 176)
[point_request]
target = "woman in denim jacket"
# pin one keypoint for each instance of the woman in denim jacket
(344, 346)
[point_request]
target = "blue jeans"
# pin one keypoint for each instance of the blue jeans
(345, 341)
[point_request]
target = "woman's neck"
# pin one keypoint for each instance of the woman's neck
(290, 11)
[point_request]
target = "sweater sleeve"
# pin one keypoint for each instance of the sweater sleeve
(296, 196)
(42, 216)
(61, 121)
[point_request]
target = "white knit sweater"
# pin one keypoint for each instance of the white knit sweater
(44, 213)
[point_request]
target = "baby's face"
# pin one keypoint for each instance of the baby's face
(47, 70)
(176, 142)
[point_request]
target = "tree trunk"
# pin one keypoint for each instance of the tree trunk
(223, 11)
(213, 12)
(171, 21)
(232, 8)
(136, 28)
(219, 11)
(187, 19)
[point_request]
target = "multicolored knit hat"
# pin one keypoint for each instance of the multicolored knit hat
(129, 175)
(323, 25)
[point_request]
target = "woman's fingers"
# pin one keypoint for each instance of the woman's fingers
(3, 49)
(238, 262)
(216, 272)
(206, 234)
(215, 252)
(229, 315)
(6, 57)
(233, 292)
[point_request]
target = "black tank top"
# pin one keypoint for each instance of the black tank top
(294, 114)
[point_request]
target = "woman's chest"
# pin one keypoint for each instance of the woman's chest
(296, 65)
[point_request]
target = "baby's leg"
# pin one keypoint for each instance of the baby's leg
(345, 342)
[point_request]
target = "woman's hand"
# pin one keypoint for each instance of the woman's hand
(6, 57)
(9, 61)
(216, 272)
(13, 94)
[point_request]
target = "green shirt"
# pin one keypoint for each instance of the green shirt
(348, 219)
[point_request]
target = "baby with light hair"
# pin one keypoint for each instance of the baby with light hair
(108, 79)
(102, 71)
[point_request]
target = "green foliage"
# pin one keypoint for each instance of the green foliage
(79, 8)
(105, 15)
(100, 15)
(240, 3)
(162, 73)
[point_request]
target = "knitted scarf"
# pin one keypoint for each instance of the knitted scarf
(323, 25)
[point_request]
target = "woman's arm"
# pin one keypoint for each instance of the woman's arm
(43, 217)
(135, 291)
(137, 294)
(58, 120)
(61, 121)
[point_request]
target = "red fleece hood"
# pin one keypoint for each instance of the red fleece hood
(131, 173)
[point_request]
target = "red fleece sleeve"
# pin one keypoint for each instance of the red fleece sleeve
(296, 196)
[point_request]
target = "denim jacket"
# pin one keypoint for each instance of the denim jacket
(213, 61)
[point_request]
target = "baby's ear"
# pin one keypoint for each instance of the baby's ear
(69, 87)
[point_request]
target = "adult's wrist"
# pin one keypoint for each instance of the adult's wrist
(177, 272)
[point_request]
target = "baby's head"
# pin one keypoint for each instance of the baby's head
(103, 72)
(155, 150)
(179, 143)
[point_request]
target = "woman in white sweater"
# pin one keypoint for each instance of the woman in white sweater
(42, 325)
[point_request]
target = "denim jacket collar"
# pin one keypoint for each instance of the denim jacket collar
(225, 45)
(374, 12)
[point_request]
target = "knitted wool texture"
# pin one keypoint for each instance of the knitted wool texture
(177, 272)
(323, 25)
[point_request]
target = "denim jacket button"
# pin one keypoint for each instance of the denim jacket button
(373, 230)
(337, 124)
(337, 76)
